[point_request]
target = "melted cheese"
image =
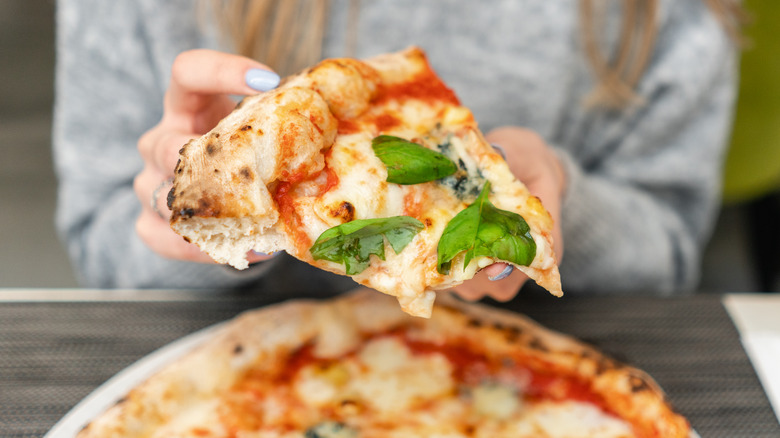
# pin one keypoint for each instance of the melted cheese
(384, 376)
(569, 419)
(388, 387)
(394, 380)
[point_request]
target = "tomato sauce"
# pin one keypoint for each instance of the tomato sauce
(385, 122)
(285, 202)
(331, 177)
(472, 368)
(286, 205)
(425, 86)
(347, 127)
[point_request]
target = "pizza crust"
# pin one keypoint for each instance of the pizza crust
(182, 396)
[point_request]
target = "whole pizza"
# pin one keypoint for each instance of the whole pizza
(359, 367)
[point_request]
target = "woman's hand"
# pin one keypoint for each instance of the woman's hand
(196, 100)
(535, 164)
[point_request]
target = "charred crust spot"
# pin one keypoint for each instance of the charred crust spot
(170, 198)
(345, 403)
(186, 239)
(512, 334)
(239, 105)
(181, 151)
(246, 128)
(246, 174)
(238, 349)
(474, 322)
(187, 213)
(603, 365)
(211, 148)
(637, 384)
(345, 211)
(207, 208)
(537, 344)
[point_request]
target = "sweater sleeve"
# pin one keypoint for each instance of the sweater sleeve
(637, 214)
(108, 93)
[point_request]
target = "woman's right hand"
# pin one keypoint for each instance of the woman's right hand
(197, 98)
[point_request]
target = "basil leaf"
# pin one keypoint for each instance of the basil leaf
(480, 230)
(411, 163)
(352, 243)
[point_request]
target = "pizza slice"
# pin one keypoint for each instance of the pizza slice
(370, 169)
(359, 367)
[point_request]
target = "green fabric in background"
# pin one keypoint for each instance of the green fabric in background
(753, 165)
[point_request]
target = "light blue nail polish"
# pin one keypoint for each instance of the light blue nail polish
(499, 149)
(261, 80)
(504, 274)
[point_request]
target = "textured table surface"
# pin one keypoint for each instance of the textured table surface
(53, 354)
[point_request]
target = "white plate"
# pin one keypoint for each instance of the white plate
(107, 394)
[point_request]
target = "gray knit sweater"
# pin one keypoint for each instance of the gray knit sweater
(643, 183)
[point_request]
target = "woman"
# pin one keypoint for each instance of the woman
(615, 116)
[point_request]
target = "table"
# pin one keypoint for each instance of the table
(58, 346)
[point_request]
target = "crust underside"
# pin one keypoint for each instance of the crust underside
(289, 164)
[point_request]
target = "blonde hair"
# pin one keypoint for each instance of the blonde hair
(287, 36)
(616, 78)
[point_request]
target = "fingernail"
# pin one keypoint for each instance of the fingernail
(503, 274)
(499, 149)
(263, 254)
(261, 80)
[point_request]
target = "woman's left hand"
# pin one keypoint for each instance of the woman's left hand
(534, 163)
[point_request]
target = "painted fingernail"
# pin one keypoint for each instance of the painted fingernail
(503, 274)
(499, 149)
(261, 80)
(263, 254)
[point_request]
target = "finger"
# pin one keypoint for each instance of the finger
(166, 154)
(151, 189)
(508, 287)
(196, 74)
(160, 147)
(255, 257)
(498, 271)
(160, 238)
(481, 286)
(469, 293)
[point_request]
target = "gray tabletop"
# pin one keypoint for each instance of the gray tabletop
(53, 354)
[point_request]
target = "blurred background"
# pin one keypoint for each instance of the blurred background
(31, 256)
(30, 253)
